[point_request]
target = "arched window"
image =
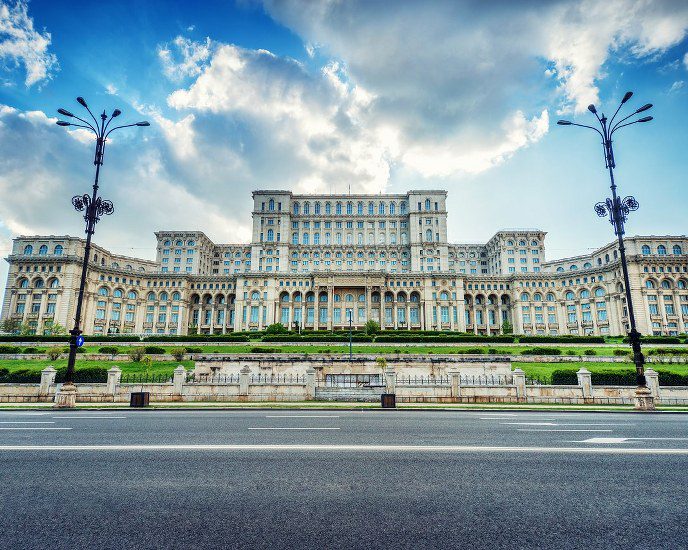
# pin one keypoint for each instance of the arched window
(444, 295)
(102, 291)
(317, 208)
(524, 297)
(587, 265)
(371, 208)
(28, 250)
(297, 297)
(550, 297)
(24, 283)
(381, 209)
(58, 250)
(392, 208)
(306, 208)
(310, 297)
(570, 295)
(255, 295)
(284, 297)
(574, 267)
(176, 296)
(349, 298)
(427, 204)
(428, 235)
(164, 296)
(650, 284)
(271, 235)
(599, 292)
(666, 284)
(271, 205)
(402, 208)
(646, 250)
(117, 293)
(296, 208)
(328, 208)
(323, 297)
(681, 284)
(585, 293)
(677, 250)
(54, 283)
(661, 250)
(131, 295)
(560, 269)
(151, 297)
(404, 238)
(359, 208)
(43, 250)
(306, 238)
(537, 297)
(338, 209)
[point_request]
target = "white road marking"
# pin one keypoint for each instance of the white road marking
(603, 440)
(7, 413)
(292, 428)
(558, 430)
(300, 416)
(35, 428)
(559, 424)
(25, 422)
(351, 448)
(87, 417)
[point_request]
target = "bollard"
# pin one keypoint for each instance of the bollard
(114, 375)
(47, 379)
(585, 382)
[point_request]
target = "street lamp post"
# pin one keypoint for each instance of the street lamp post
(350, 328)
(94, 207)
(617, 209)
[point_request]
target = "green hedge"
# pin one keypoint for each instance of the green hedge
(617, 378)
(656, 340)
(234, 337)
(668, 351)
(563, 339)
(443, 339)
(10, 350)
(86, 375)
(316, 338)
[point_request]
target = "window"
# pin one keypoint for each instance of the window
(646, 250)
(28, 250)
(58, 250)
(677, 250)
(661, 250)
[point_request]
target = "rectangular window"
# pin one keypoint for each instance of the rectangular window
(254, 314)
(322, 319)
(444, 313)
(337, 315)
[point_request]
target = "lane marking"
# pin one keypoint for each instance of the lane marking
(300, 416)
(560, 424)
(9, 413)
(35, 428)
(89, 417)
(351, 448)
(292, 428)
(25, 422)
(557, 430)
(625, 439)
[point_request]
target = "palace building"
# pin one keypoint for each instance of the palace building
(318, 261)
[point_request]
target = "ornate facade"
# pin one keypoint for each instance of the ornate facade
(318, 261)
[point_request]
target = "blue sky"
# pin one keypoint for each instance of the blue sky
(320, 96)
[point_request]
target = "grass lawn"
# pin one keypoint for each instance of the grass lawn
(157, 367)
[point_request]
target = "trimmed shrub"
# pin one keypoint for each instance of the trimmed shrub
(86, 375)
(154, 350)
(656, 340)
(31, 350)
(668, 351)
(590, 352)
(541, 351)
(136, 354)
(20, 376)
(109, 350)
(620, 352)
(10, 350)
(178, 353)
(561, 339)
(193, 350)
(492, 351)
(54, 353)
(564, 377)
(442, 338)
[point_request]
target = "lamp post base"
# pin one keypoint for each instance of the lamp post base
(644, 400)
(66, 397)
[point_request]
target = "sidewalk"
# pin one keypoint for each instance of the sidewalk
(329, 405)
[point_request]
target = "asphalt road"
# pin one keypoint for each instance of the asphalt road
(342, 479)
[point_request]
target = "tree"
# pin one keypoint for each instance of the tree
(276, 328)
(372, 327)
(507, 327)
(10, 326)
(54, 329)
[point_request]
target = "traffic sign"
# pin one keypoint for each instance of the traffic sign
(79, 341)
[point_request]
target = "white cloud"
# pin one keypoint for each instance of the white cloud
(184, 58)
(21, 44)
(111, 89)
(685, 60)
(677, 86)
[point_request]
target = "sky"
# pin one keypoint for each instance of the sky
(333, 95)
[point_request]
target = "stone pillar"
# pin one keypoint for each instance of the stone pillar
(243, 380)
(114, 376)
(390, 379)
(310, 383)
(47, 379)
(652, 378)
(455, 379)
(520, 383)
(178, 380)
(585, 382)
(65, 397)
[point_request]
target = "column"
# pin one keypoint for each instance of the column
(585, 382)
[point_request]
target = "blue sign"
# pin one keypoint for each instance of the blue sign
(79, 341)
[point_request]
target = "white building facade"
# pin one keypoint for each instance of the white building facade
(316, 261)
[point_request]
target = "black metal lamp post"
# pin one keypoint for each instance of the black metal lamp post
(351, 314)
(617, 209)
(94, 207)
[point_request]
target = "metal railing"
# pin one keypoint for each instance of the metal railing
(144, 378)
(352, 381)
(423, 380)
(486, 380)
(277, 379)
(212, 379)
